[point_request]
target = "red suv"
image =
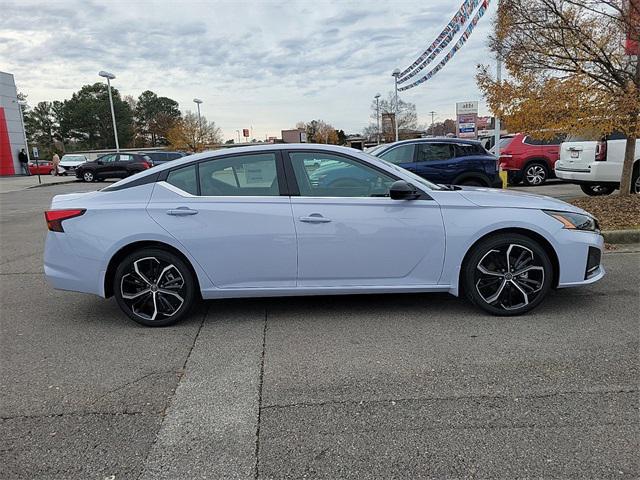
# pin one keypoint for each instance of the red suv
(528, 160)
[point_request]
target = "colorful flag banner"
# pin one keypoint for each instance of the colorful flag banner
(461, 41)
(445, 37)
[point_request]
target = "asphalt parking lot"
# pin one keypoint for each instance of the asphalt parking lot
(385, 386)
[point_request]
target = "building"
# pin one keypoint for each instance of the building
(11, 131)
(297, 135)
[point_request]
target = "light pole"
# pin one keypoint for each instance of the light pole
(109, 77)
(238, 132)
(377, 97)
(22, 103)
(197, 101)
(396, 74)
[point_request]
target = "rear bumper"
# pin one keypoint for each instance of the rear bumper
(592, 173)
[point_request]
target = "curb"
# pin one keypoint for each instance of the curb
(622, 236)
(51, 184)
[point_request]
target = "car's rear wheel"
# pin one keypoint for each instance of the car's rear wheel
(507, 274)
(595, 190)
(635, 180)
(154, 287)
(88, 176)
(535, 174)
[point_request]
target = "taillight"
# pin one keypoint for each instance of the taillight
(54, 218)
(601, 151)
(146, 164)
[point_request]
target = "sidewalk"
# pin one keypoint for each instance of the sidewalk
(21, 182)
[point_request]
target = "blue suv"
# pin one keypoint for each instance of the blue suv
(449, 161)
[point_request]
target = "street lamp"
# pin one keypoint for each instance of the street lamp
(23, 103)
(377, 97)
(395, 75)
(109, 77)
(197, 101)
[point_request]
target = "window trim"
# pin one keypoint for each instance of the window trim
(295, 191)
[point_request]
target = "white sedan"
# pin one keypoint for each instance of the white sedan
(306, 219)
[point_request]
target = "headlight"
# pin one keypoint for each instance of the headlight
(575, 221)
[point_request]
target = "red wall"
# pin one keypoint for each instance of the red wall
(6, 157)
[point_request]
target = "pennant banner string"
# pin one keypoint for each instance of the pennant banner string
(459, 19)
(442, 42)
(467, 33)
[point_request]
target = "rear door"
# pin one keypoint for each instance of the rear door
(577, 153)
(234, 217)
(436, 162)
(123, 164)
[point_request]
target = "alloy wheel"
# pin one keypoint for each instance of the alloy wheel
(509, 277)
(153, 289)
(536, 175)
(636, 185)
(87, 176)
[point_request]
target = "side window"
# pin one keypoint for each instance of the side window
(324, 175)
(125, 158)
(242, 175)
(531, 141)
(433, 152)
(401, 154)
(185, 179)
(108, 158)
(468, 150)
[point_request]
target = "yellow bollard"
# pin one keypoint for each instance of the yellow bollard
(503, 177)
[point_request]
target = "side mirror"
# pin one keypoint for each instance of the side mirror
(99, 162)
(401, 190)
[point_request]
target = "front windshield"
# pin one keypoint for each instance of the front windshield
(415, 178)
(74, 158)
(373, 150)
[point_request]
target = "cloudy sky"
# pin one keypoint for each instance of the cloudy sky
(265, 64)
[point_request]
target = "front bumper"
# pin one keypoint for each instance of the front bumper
(575, 251)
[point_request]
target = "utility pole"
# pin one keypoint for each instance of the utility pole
(377, 97)
(433, 114)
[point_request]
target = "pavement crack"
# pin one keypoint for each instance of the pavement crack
(180, 377)
(132, 382)
(449, 398)
(73, 414)
(260, 382)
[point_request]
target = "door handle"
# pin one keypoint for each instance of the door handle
(315, 218)
(181, 211)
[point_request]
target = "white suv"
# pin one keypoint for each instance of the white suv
(596, 165)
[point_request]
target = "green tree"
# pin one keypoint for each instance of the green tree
(155, 116)
(86, 118)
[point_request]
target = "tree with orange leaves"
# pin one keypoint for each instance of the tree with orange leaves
(568, 69)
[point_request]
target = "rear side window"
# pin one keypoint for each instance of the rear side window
(400, 154)
(433, 152)
(185, 179)
(242, 175)
(505, 142)
(468, 150)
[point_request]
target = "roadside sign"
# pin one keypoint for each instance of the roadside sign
(245, 132)
(36, 154)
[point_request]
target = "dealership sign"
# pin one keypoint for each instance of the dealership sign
(466, 119)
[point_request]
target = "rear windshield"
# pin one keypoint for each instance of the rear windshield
(505, 141)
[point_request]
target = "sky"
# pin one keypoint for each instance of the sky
(259, 64)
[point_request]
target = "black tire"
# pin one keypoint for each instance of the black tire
(88, 176)
(154, 302)
(535, 174)
(635, 180)
(501, 291)
(595, 190)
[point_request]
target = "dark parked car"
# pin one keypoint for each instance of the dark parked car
(158, 158)
(113, 165)
(451, 161)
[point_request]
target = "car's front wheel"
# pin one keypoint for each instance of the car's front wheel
(88, 176)
(507, 274)
(154, 287)
(595, 190)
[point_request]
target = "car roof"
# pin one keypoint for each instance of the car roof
(432, 140)
(211, 154)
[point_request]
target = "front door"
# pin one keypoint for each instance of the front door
(350, 233)
(230, 215)
(107, 166)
